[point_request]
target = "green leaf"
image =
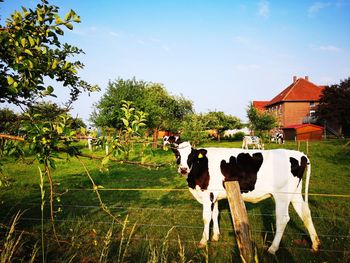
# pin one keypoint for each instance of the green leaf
(54, 64)
(40, 18)
(105, 160)
(68, 15)
(23, 42)
(126, 122)
(13, 89)
(30, 64)
(59, 31)
(52, 163)
(49, 89)
(31, 41)
(10, 80)
(27, 51)
(58, 20)
(76, 19)
(59, 130)
(69, 26)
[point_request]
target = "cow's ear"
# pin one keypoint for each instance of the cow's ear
(201, 153)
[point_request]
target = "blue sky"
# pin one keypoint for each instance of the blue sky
(219, 54)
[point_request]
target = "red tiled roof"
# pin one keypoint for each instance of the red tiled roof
(297, 126)
(260, 105)
(300, 90)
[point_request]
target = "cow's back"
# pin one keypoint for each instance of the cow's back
(274, 175)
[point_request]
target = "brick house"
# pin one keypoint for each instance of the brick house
(294, 105)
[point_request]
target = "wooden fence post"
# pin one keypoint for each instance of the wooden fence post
(240, 221)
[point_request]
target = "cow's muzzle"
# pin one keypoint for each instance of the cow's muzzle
(183, 171)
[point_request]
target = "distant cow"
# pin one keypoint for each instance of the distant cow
(278, 137)
(260, 174)
(172, 140)
(252, 140)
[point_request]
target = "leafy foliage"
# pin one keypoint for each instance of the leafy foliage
(107, 112)
(47, 138)
(164, 111)
(30, 50)
(194, 129)
(334, 106)
(9, 121)
(219, 121)
(133, 120)
(260, 121)
(51, 111)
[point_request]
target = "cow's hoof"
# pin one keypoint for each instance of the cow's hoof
(272, 250)
(316, 248)
(201, 245)
(215, 237)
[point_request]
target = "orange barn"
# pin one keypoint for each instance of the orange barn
(303, 132)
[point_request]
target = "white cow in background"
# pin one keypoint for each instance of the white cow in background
(172, 139)
(252, 140)
(277, 137)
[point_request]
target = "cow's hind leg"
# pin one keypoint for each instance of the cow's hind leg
(303, 210)
(282, 218)
(215, 217)
(206, 220)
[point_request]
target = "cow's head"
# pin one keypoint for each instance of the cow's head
(185, 156)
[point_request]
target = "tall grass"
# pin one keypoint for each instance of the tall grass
(13, 243)
(164, 226)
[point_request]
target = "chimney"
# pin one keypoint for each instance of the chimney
(294, 79)
(307, 78)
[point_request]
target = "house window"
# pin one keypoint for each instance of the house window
(312, 113)
(312, 104)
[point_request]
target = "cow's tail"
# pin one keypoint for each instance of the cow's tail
(307, 181)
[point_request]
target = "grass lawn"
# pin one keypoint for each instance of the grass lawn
(159, 220)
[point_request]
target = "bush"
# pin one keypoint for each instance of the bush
(235, 137)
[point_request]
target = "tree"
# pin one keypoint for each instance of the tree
(47, 110)
(219, 121)
(30, 50)
(163, 110)
(261, 121)
(334, 106)
(50, 111)
(9, 121)
(193, 128)
(107, 111)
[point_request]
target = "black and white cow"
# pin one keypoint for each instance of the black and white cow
(172, 140)
(278, 137)
(252, 140)
(261, 174)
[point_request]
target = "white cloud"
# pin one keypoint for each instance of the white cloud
(264, 9)
(317, 7)
(327, 48)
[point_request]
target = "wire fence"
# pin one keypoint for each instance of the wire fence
(140, 209)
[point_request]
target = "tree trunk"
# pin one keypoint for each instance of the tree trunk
(155, 138)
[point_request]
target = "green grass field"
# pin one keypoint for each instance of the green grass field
(159, 220)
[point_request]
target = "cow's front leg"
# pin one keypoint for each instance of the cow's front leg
(206, 221)
(282, 218)
(215, 217)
